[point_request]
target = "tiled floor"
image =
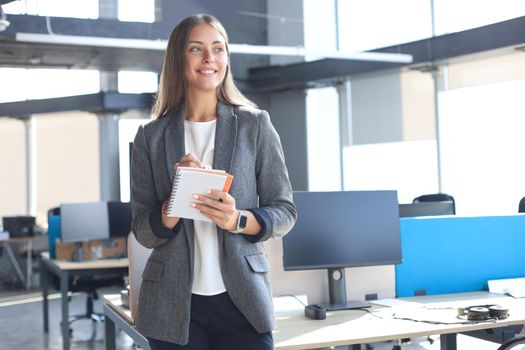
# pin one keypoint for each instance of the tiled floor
(21, 327)
(21, 324)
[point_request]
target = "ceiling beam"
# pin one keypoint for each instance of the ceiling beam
(102, 102)
(425, 52)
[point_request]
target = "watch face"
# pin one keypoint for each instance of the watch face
(243, 219)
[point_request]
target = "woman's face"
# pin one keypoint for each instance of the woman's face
(206, 58)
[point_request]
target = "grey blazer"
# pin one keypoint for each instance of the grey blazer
(247, 146)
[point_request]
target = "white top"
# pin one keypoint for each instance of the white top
(207, 279)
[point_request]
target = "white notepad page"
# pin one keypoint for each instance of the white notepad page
(188, 182)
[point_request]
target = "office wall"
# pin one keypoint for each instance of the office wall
(487, 68)
(314, 283)
(67, 160)
(417, 100)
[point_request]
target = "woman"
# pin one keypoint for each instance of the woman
(205, 284)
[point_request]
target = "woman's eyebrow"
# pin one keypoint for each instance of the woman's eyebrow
(201, 43)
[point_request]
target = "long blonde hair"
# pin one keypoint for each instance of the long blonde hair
(172, 78)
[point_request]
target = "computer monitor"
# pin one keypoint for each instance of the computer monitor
(426, 209)
(80, 222)
(335, 230)
(119, 214)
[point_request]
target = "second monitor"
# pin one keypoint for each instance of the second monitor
(335, 230)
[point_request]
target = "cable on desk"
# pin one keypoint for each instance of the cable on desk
(293, 296)
(428, 321)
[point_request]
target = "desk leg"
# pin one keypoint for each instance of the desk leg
(29, 268)
(448, 341)
(64, 282)
(15, 263)
(45, 292)
(109, 335)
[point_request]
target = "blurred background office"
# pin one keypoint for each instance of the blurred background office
(450, 122)
(441, 114)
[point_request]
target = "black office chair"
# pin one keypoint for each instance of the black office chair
(512, 342)
(521, 207)
(88, 285)
(436, 197)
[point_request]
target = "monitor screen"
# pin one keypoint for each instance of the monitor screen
(343, 229)
(119, 219)
(81, 222)
(426, 209)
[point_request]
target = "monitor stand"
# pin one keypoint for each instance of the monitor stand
(337, 292)
(78, 253)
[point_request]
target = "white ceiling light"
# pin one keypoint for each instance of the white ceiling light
(141, 44)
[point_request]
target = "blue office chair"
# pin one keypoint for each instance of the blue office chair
(436, 197)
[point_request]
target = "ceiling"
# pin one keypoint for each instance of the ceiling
(33, 55)
(76, 55)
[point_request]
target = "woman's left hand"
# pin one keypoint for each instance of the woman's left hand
(222, 211)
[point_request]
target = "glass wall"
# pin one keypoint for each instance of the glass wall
(55, 8)
(477, 101)
(370, 24)
(482, 147)
(27, 84)
(128, 10)
(457, 15)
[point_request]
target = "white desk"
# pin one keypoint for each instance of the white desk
(117, 315)
(295, 331)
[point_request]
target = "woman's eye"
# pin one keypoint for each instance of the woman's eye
(219, 49)
(195, 49)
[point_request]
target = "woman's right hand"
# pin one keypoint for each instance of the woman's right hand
(189, 160)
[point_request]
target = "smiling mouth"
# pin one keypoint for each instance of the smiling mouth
(207, 71)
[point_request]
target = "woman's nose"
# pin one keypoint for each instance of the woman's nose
(208, 56)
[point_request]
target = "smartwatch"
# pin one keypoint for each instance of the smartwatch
(242, 221)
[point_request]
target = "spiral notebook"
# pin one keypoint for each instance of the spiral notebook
(189, 181)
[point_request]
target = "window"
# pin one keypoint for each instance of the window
(482, 145)
(137, 82)
(369, 24)
(136, 10)
(457, 15)
(29, 84)
(55, 8)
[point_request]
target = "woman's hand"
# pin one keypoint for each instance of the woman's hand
(189, 160)
(222, 211)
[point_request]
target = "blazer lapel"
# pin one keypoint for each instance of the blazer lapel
(225, 141)
(225, 137)
(175, 149)
(174, 145)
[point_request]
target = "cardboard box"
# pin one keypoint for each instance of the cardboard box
(100, 249)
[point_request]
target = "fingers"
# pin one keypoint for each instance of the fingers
(189, 160)
(218, 206)
(216, 199)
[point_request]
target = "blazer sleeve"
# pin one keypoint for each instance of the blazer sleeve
(145, 205)
(276, 206)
